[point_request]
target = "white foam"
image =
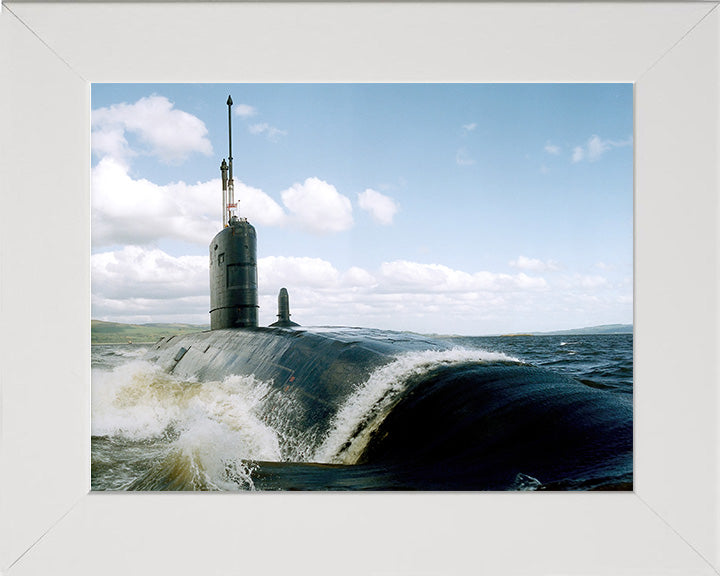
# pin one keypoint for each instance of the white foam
(214, 424)
(135, 400)
(134, 352)
(525, 483)
(221, 432)
(366, 408)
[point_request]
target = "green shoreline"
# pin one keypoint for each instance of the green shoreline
(116, 333)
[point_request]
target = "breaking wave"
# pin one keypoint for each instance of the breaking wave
(363, 412)
(210, 430)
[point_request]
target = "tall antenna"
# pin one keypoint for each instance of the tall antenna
(231, 184)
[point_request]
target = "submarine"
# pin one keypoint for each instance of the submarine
(363, 408)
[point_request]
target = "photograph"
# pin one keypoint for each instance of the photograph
(366, 286)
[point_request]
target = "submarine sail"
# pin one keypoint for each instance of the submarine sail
(233, 260)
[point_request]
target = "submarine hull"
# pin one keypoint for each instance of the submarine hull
(385, 410)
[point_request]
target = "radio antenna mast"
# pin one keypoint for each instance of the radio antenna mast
(231, 184)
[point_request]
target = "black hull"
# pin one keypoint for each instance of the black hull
(465, 424)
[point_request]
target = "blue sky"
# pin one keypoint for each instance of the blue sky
(437, 208)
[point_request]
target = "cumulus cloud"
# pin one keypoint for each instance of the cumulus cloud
(415, 276)
(136, 273)
(277, 271)
(400, 277)
(318, 206)
(596, 147)
(258, 207)
(110, 141)
(139, 212)
(128, 211)
(382, 208)
(161, 129)
(533, 264)
(417, 293)
(139, 284)
(357, 278)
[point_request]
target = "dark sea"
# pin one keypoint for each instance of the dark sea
(477, 413)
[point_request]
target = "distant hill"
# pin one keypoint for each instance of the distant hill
(603, 329)
(117, 333)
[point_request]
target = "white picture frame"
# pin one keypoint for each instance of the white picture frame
(50, 523)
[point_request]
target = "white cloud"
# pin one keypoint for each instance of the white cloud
(270, 132)
(257, 206)
(400, 277)
(135, 273)
(582, 281)
(274, 272)
(245, 110)
(414, 292)
(588, 281)
(463, 158)
(413, 276)
(139, 212)
(128, 211)
(552, 149)
(578, 154)
(110, 141)
(356, 278)
(596, 147)
(162, 130)
(144, 310)
(382, 208)
(318, 206)
(533, 264)
(469, 127)
(138, 284)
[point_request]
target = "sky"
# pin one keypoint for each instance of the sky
(436, 208)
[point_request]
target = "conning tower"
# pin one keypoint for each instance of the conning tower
(233, 259)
